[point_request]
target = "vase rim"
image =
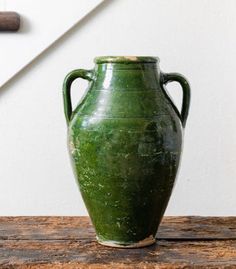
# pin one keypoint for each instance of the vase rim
(126, 59)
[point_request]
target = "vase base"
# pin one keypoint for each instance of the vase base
(116, 244)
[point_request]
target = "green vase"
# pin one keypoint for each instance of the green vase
(125, 140)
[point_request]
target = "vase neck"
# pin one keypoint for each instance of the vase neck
(123, 76)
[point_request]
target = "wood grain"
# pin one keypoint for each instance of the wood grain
(9, 21)
(183, 228)
(69, 242)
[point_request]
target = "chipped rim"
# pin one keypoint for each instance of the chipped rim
(126, 59)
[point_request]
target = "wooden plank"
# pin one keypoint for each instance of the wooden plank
(88, 254)
(173, 228)
(198, 228)
(69, 242)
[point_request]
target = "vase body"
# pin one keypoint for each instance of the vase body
(125, 140)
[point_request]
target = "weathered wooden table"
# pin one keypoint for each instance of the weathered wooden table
(69, 242)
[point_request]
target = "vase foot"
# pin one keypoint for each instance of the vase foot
(116, 244)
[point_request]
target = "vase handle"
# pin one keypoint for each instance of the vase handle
(78, 73)
(170, 77)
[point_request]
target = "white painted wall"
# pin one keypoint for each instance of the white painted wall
(42, 23)
(196, 38)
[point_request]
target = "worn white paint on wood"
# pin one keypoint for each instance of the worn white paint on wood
(43, 22)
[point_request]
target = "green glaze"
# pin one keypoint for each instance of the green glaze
(125, 140)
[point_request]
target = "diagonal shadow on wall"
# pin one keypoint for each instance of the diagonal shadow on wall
(58, 42)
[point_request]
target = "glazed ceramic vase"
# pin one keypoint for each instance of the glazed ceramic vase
(125, 140)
